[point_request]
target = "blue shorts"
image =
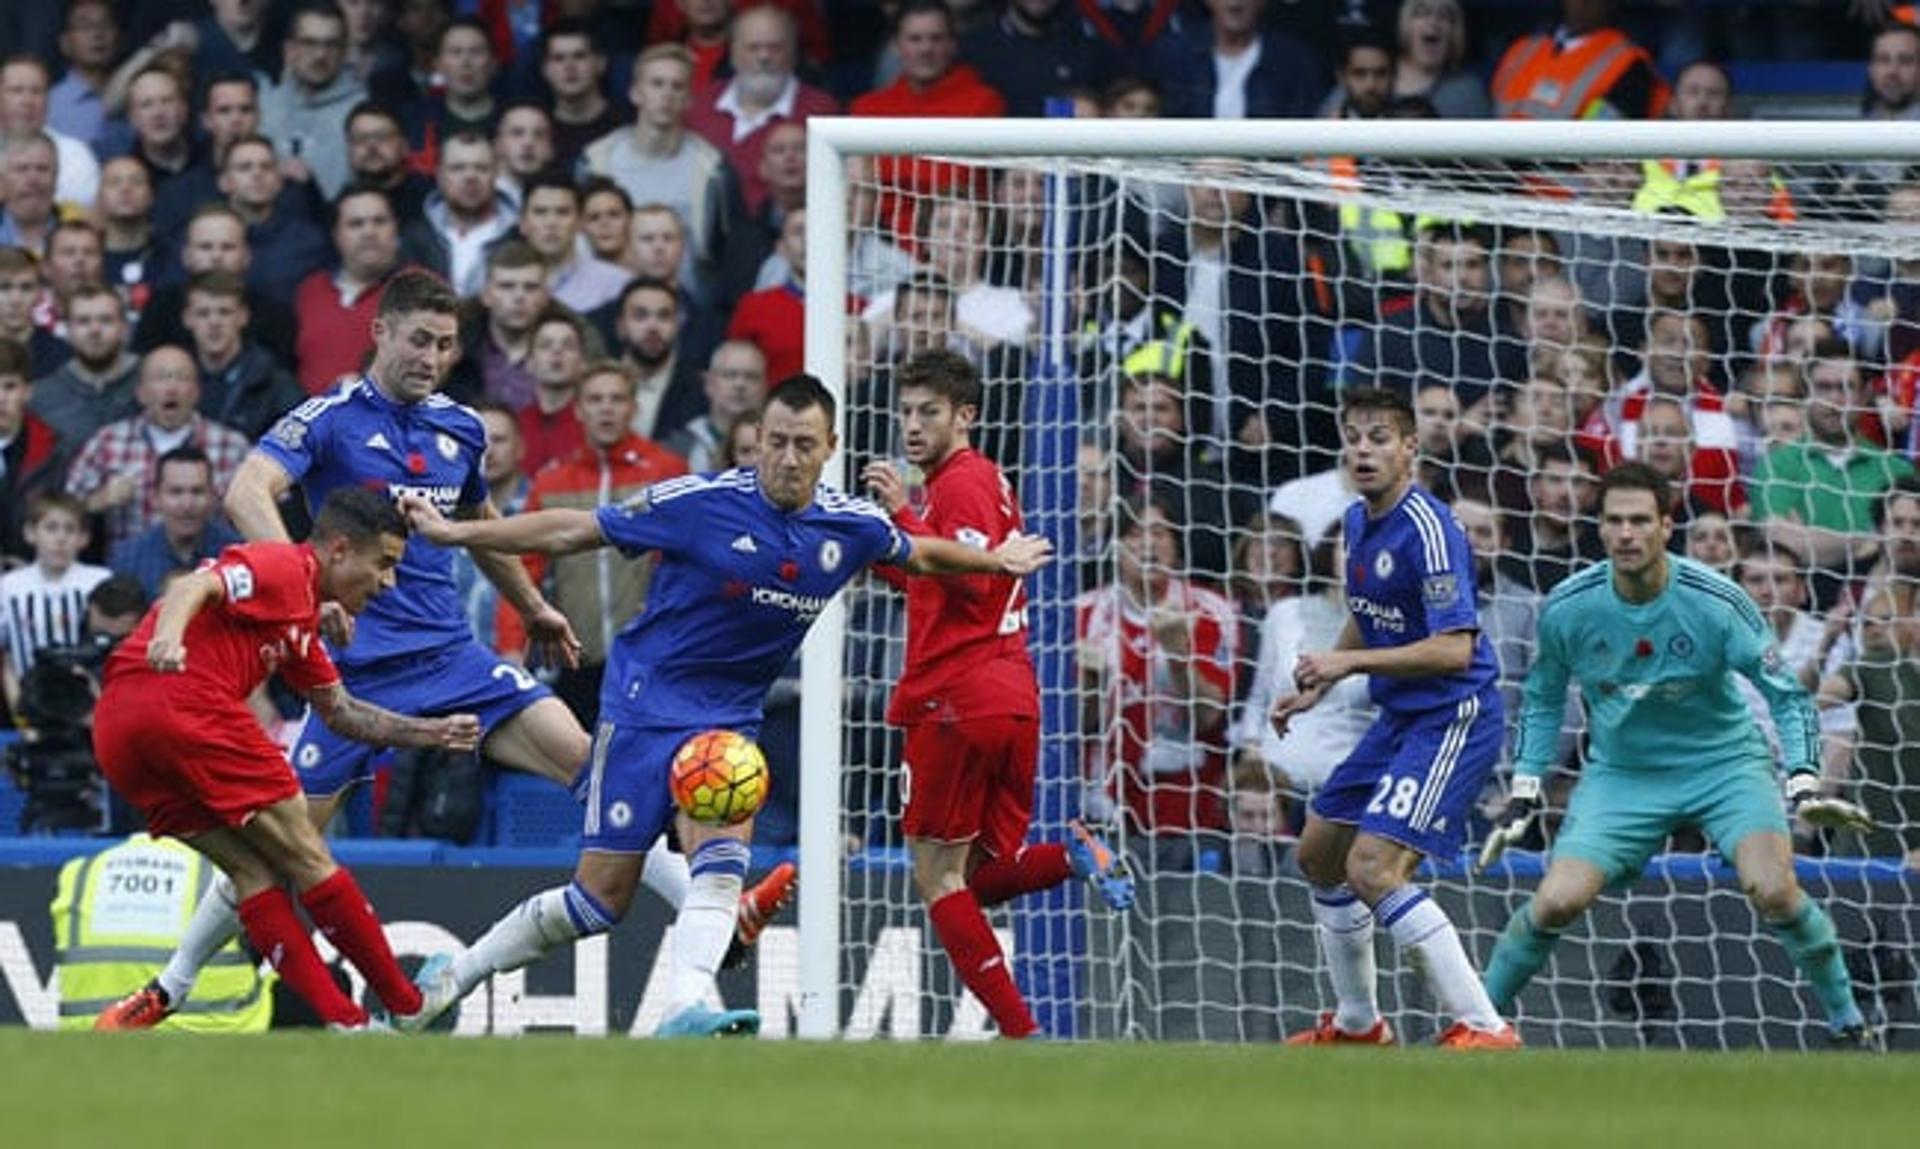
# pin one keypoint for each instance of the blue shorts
(466, 678)
(1617, 818)
(1414, 777)
(629, 800)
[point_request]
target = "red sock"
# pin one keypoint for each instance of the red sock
(343, 914)
(976, 954)
(275, 930)
(1031, 868)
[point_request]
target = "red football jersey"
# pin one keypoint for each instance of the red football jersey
(967, 635)
(266, 622)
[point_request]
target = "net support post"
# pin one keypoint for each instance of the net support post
(822, 659)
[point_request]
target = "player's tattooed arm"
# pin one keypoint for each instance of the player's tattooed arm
(349, 717)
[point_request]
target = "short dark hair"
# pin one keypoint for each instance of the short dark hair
(549, 179)
(1636, 477)
(513, 253)
(223, 284)
(601, 185)
(1130, 515)
(15, 360)
(416, 290)
(39, 505)
(118, 596)
(1390, 403)
(251, 139)
(1907, 488)
(947, 374)
(187, 453)
(569, 27)
(358, 515)
(378, 108)
(803, 392)
(646, 283)
(355, 190)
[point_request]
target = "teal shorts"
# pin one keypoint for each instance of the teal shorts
(1617, 818)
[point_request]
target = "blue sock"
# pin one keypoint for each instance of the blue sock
(1813, 945)
(1522, 949)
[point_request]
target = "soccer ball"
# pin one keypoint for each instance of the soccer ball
(719, 778)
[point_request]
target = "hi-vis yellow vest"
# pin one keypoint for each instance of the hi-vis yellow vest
(117, 916)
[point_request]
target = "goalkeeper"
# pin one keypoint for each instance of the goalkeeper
(1655, 641)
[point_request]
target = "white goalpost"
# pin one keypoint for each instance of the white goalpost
(1062, 256)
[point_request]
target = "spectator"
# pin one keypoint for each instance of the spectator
(1035, 50)
(548, 426)
(20, 290)
(703, 33)
(233, 40)
(953, 242)
(1709, 540)
(369, 47)
(1431, 60)
(306, 113)
(931, 83)
(1821, 282)
(1676, 362)
(419, 24)
(1509, 611)
(606, 219)
(1235, 67)
(44, 603)
(90, 46)
(739, 116)
(230, 111)
(1881, 682)
(240, 384)
(187, 532)
(497, 334)
(651, 341)
(742, 448)
(1496, 468)
(774, 317)
(1555, 534)
(1701, 91)
(1441, 467)
(1156, 655)
(286, 245)
(550, 223)
(783, 173)
(670, 21)
(659, 161)
(575, 69)
(1807, 647)
(24, 81)
(1131, 29)
(377, 158)
(1554, 319)
(125, 215)
(29, 170)
(115, 472)
(76, 258)
(1817, 497)
(96, 386)
(1446, 332)
(462, 101)
(736, 384)
(523, 140)
(1154, 454)
(157, 112)
(1320, 738)
(876, 262)
(604, 588)
(27, 453)
(1583, 69)
(660, 247)
(507, 488)
(1666, 444)
(1363, 79)
(1125, 316)
(465, 215)
(216, 240)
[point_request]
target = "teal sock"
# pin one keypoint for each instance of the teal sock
(1522, 949)
(1814, 946)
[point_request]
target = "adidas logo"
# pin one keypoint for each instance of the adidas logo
(746, 546)
(378, 442)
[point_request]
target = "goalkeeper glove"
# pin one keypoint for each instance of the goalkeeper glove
(1828, 811)
(1523, 805)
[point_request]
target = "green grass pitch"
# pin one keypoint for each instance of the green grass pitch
(341, 1092)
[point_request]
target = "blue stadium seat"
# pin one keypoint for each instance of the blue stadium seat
(13, 800)
(531, 812)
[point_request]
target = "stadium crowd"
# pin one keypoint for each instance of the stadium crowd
(203, 201)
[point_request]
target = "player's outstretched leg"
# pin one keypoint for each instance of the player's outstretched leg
(700, 939)
(213, 924)
(1522, 950)
(544, 922)
(1044, 865)
(760, 904)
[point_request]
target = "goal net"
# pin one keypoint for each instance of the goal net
(1164, 339)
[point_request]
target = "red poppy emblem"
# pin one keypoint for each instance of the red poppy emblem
(1643, 649)
(417, 463)
(789, 571)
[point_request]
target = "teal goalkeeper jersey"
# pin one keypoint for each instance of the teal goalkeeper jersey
(1657, 677)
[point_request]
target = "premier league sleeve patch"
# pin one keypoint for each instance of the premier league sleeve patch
(1440, 589)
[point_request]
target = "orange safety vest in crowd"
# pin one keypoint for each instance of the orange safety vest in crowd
(1537, 80)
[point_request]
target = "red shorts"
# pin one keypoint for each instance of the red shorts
(188, 770)
(970, 781)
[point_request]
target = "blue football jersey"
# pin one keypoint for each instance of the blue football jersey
(738, 583)
(354, 436)
(1410, 575)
